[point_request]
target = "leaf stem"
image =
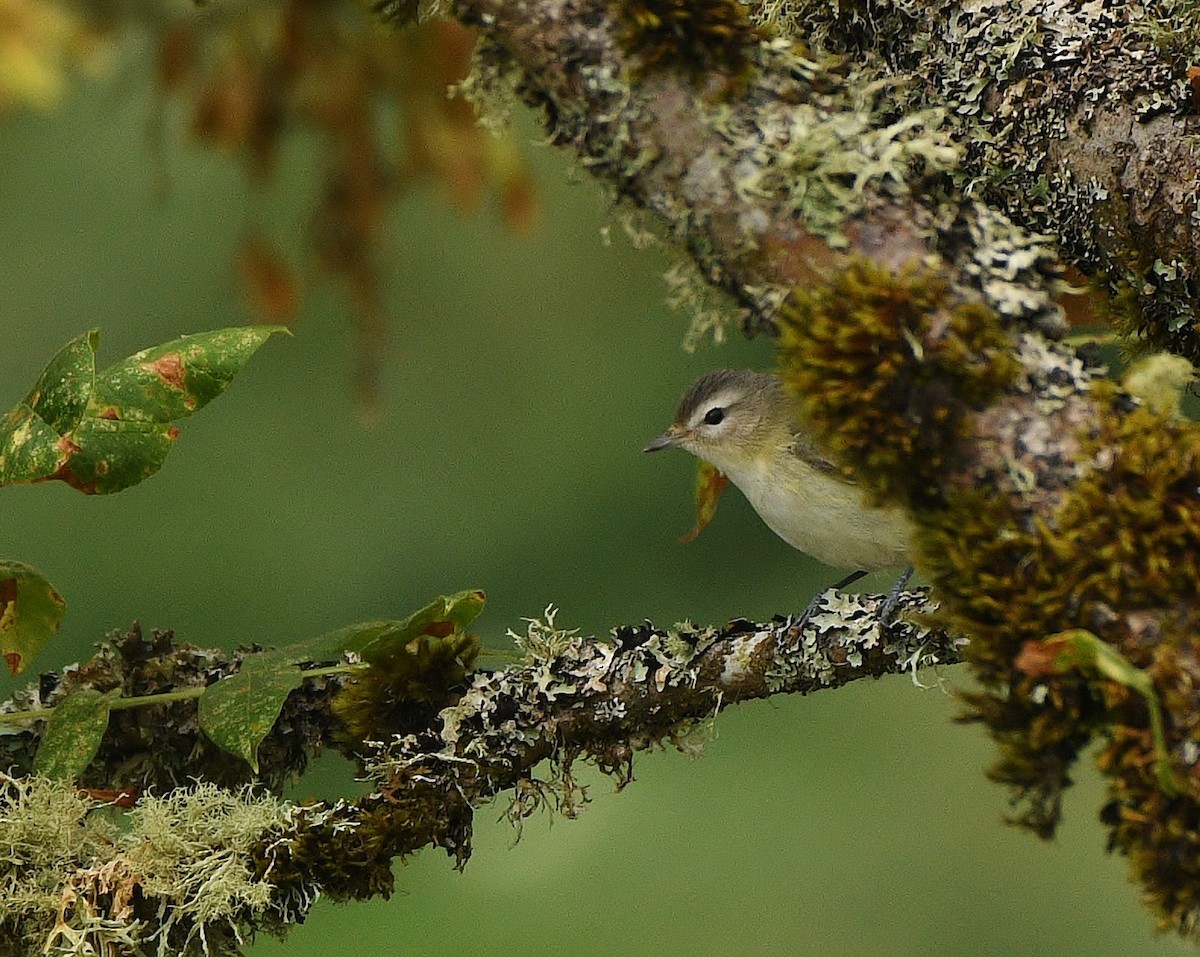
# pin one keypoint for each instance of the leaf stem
(186, 694)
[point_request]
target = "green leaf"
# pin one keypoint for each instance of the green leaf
(332, 645)
(65, 385)
(73, 734)
(440, 618)
(102, 432)
(238, 712)
(30, 612)
(171, 381)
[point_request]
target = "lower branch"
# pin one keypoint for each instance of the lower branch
(572, 697)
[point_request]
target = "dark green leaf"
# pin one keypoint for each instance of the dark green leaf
(238, 712)
(332, 645)
(62, 391)
(171, 381)
(102, 432)
(30, 612)
(73, 734)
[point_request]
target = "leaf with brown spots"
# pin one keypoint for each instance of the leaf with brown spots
(442, 618)
(104, 431)
(30, 611)
(73, 734)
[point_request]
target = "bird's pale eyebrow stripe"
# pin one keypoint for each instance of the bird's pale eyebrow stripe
(721, 400)
(711, 385)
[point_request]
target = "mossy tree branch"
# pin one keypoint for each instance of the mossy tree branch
(771, 175)
(572, 698)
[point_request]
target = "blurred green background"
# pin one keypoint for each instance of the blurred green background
(522, 378)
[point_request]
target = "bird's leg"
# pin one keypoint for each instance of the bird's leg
(888, 610)
(848, 580)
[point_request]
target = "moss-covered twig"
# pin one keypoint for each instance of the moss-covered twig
(203, 866)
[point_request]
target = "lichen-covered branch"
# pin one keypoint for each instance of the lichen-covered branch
(770, 167)
(1077, 119)
(196, 869)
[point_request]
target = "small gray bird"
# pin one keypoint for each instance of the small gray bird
(744, 424)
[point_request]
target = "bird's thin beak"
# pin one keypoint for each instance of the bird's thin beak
(667, 440)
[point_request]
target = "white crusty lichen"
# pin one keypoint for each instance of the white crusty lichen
(841, 628)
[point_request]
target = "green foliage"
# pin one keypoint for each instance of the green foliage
(417, 659)
(30, 612)
(439, 619)
(102, 432)
(238, 712)
(73, 734)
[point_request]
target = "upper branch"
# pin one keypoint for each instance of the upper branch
(773, 169)
(1077, 119)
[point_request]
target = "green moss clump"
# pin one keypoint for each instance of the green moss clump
(1002, 580)
(886, 368)
(694, 37)
(405, 690)
(1119, 556)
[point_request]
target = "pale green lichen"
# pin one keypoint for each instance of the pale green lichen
(821, 157)
(710, 311)
(1016, 80)
(490, 86)
(71, 870)
(190, 849)
(542, 638)
(47, 833)
(1159, 381)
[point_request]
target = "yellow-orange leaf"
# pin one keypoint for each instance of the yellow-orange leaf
(710, 483)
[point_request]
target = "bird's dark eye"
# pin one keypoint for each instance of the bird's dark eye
(714, 416)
